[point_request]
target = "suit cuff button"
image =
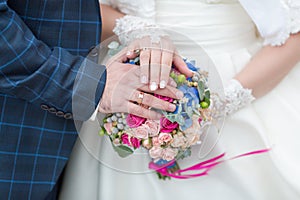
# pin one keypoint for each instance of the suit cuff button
(44, 107)
(68, 116)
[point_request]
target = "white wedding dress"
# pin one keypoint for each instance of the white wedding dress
(229, 36)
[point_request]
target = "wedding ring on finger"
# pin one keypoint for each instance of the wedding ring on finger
(140, 98)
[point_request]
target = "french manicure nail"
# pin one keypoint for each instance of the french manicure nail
(179, 95)
(153, 86)
(172, 107)
(162, 84)
(173, 84)
(144, 80)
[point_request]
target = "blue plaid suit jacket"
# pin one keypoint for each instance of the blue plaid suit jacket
(41, 49)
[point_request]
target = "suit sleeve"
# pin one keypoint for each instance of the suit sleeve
(32, 71)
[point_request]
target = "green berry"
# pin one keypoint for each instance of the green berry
(181, 78)
(204, 104)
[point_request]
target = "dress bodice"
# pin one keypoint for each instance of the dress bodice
(212, 24)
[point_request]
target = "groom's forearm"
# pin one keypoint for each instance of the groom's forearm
(269, 66)
(109, 16)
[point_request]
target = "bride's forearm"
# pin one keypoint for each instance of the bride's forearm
(269, 66)
(109, 16)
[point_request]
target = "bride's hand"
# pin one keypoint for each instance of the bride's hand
(156, 59)
(124, 92)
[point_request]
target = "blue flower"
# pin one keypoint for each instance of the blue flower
(191, 66)
(188, 122)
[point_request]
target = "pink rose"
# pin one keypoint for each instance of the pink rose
(125, 139)
(108, 127)
(169, 154)
(155, 141)
(164, 98)
(156, 152)
(134, 121)
(140, 132)
(164, 138)
(153, 127)
(167, 126)
(135, 142)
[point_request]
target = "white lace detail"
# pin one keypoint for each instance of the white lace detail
(236, 97)
(130, 27)
(292, 10)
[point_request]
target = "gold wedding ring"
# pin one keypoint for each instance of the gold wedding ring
(140, 97)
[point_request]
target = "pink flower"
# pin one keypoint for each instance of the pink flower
(167, 126)
(164, 138)
(155, 141)
(125, 139)
(146, 143)
(156, 152)
(134, 121)
(164, 98)
(169, 154)
(140, 132)
(135, 142)
(108, 127)
(153, 127)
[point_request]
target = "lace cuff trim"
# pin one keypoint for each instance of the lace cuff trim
(130, 27)
(292, 24)
(236, 97)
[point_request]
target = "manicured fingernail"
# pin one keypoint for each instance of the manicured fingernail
(128, 53)
(144, 80)
(162, 84)
(172, 107)
(173, 84)
(153, 86)
(179, 95)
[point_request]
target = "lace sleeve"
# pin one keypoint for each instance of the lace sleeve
(236, 97)
(130, 27)
(274, 19)
(292, 23)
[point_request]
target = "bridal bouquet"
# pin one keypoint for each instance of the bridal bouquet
(171, 137)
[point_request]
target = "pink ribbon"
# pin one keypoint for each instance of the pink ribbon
(204, 166)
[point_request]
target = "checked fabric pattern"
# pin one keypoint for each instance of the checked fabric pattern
(41, 47)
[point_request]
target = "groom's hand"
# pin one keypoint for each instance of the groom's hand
(156, 59)
(125, 93)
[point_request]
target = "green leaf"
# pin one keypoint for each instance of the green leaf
(200, 88)
(123, 150)
(207, 94)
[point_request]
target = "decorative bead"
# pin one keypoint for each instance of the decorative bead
(120, 126)
(195, 79)
(114, 118)
(195, 84)
(115, 130)
(109, 120)
(118, 114)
